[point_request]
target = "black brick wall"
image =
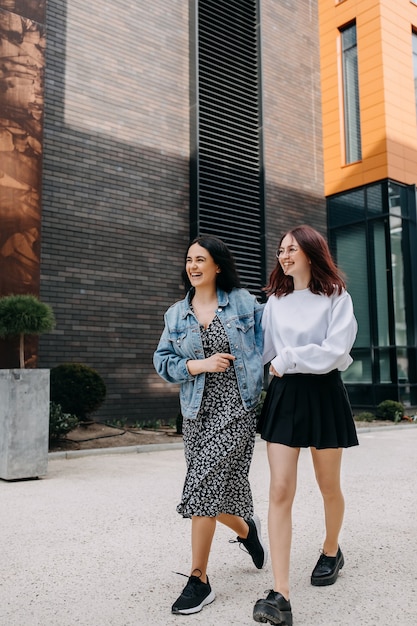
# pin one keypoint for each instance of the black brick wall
(115, 190)
(292, 118)
(115, 179)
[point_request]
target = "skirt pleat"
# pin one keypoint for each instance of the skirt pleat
(308, 410)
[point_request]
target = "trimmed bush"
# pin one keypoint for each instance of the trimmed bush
(22, 315)
(79, 389)
(390, 410)
(60, 423)
(365, 416)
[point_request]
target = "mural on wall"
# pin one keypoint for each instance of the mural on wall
(22, 64)
(22, 59)
(33, 9)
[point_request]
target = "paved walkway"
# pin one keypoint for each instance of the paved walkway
(96, 542)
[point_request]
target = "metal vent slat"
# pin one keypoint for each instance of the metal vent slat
(228, 167)
(231, 200)
(212, 172)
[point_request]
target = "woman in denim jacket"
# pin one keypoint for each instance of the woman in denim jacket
(212, 345)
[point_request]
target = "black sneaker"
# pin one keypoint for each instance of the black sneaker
(274, 609)
(194, 596)
(327, 569)
(253, 543)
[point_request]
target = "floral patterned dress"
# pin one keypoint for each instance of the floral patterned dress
(219, 443)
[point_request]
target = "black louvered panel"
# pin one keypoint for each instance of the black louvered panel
(229, 195)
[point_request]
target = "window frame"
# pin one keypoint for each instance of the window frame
(350, 105)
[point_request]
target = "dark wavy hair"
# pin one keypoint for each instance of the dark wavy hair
(326, 278)
(228, 278)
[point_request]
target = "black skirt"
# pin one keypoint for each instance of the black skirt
(308, 410)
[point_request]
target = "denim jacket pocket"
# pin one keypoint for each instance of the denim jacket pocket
(178, 338)
(246, 332)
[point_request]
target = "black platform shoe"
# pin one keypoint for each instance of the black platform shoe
(327, 569)
(274, 609)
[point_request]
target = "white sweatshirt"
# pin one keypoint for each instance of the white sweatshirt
(308, 333)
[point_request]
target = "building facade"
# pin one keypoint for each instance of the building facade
(368, 51)
(137, 126)
(160, 120)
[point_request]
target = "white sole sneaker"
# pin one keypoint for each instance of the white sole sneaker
(196, 609)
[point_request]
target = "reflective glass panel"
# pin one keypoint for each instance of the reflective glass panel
(381, 287)
(350, 246)
(374, 202)
(353, 149)
(383, 356)
(360, 371)
(398, 283)
(415, 66)
(397, 264)
(402, 365)
(347, 208)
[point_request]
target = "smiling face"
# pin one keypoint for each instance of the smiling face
(200, 267)
(294, 262)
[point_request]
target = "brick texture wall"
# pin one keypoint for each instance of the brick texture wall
(115, 191)
(292, 118)
(115, 180)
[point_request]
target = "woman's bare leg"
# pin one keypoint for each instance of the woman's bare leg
(202, 532)
(235, 523)
(283, 467)
(327, 464)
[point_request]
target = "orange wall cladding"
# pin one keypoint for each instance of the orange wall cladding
(386, 92)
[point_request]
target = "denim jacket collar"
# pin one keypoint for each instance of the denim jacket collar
(222, 299)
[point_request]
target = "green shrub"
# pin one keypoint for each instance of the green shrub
(365, 416)
(79, 389)
(390, 410)
(22, 315)
(60, 423)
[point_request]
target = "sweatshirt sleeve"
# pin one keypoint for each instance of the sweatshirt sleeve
(332, 353)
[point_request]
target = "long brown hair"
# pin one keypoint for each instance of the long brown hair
(326, 278)
(222, 256)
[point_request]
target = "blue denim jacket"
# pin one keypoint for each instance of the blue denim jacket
(240, 314)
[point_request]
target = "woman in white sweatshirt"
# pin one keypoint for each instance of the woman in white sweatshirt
(309, 329)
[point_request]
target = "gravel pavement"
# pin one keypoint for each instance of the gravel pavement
(97, 541)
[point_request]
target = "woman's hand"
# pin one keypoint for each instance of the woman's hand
(218, 362)
(273, 371)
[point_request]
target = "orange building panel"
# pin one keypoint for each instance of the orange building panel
(386, 92)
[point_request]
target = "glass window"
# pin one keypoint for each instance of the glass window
(383, 356)
(415, 66)
(350, 247)
(402, 365)
(353, 149)
(377, 256)
(381, 287)
(397, 264)
(374, 202)
(360, 371)
(347, 208)
(351, 257)
(398, 281)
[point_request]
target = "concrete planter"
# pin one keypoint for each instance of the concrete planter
(24, 423)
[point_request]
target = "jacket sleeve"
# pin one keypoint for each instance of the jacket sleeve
(170, 365)
(268, 349)
(259, 334)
